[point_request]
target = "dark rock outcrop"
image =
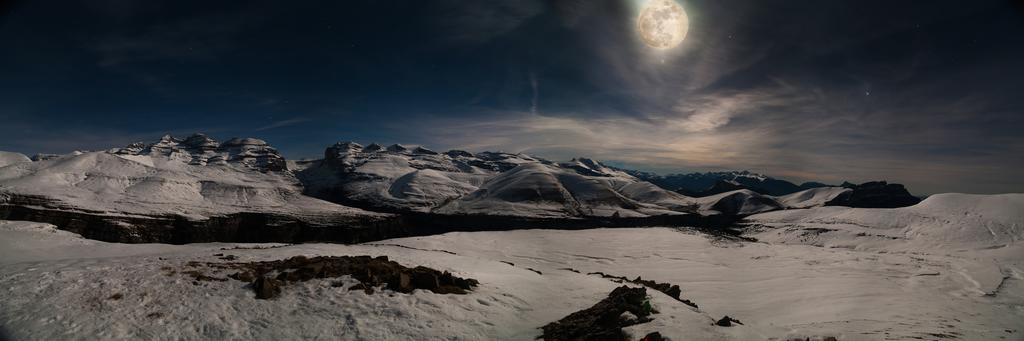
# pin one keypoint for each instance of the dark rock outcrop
(369, 271)
(655, 336)
(604, 320)
(266, 288)
(669, 289)
(727, 321)
(875, 194)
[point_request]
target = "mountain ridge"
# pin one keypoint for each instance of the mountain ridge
(206, 182)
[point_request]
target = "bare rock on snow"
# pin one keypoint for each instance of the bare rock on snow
(266, 288)
(727, 321)
(602, 321)
(371, 272)
(655, 336)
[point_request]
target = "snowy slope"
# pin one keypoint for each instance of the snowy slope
(952, 221)
(738, 202)
(647, 192)
(10, 158)
(397, 176)
(814, 197)
(545, 190)
(58, 286)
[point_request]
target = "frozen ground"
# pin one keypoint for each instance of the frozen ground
(56, 285)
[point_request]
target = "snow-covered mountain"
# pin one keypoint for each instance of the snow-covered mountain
(198, 177)
(162, 187)
(458, 182)
(576, 188)
(158, 191)
(201, 150)
(400, 178)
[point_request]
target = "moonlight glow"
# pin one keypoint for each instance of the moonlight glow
(662, 24)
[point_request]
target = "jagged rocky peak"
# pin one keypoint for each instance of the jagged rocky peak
(373, 148)
(424, 151)
(341, 149)
(200, 149)
(590, 163)
(455, 153)
(499, 155)
(248, 141)
(585, 166)
(397, 148)
(200, 141)
(253, 153)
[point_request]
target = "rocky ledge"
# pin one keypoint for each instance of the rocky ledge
(263, 227)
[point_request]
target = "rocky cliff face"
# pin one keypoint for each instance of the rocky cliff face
(201, 150)
(271, 227)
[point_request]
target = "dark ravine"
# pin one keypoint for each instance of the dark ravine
(254, 227)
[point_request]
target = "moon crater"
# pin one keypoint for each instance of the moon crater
(662, 24)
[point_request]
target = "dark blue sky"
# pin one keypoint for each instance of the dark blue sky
(923, 93)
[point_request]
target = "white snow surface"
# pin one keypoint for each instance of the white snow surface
(957, 281)
(942, 221)
(156, 184)
(743, 201)
(10, 158)
(814, 197)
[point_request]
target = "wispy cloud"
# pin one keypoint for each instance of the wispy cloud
(535, 87)
(283, 123)
(481, 21)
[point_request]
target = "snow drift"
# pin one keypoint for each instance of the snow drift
(944, 220)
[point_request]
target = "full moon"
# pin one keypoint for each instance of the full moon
(662, 24)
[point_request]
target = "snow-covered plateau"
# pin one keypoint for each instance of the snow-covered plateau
(951, 267)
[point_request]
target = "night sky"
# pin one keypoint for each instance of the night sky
(925, 93)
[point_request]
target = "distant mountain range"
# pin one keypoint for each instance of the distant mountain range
(709, 183)
(155, 191)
